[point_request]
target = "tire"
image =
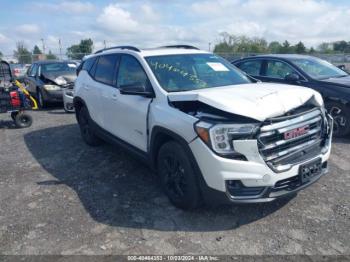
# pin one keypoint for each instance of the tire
(177, 176)
(66, 110)
(40, 97)
(23, 120)
(86, 130)
(341, 116)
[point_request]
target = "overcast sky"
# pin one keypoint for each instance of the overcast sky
(159, 22)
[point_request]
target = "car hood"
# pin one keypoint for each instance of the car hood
(345, 81)
(60, 78)
(258, 101)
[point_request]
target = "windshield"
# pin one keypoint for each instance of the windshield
(58, 67)
(318, 68)
(187, 72)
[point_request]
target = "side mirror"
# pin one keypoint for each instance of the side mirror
(136, 89)
(293, 77)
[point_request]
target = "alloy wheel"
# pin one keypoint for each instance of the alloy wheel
(340, 120)
(174, 176)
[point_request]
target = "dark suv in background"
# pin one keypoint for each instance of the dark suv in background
(46, 80)
(332, 82)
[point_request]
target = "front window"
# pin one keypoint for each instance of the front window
(187, 72)
(131, 73)
(105, 69)
(58, 68)
(277, 69)
(318, 68)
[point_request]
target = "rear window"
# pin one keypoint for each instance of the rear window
(58, 67)
(88, 64)
(105, 69)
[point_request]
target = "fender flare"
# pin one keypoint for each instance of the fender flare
(209, 195)
(159, 135)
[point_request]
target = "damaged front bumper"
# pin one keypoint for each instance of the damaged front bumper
(68, 100)
(254, 181)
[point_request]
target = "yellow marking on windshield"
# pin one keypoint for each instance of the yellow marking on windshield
(183, 73)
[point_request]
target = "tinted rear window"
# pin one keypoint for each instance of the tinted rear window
(88, 64)
(58, 67)
(105, 70)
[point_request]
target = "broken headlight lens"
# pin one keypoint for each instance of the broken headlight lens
(219, 137)
(52, 87)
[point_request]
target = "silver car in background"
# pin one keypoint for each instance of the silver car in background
(68, 99)
(68, 93)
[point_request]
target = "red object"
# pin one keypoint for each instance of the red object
(15, 99)
(296, 132)
(16, 72)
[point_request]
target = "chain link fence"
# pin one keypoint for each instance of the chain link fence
(30, 58)
(337, 59)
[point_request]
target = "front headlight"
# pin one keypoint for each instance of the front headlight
(52, 87)
(60, 80)
(219, 137)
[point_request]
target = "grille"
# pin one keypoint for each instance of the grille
(287, 140)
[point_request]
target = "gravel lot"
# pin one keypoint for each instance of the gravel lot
(59, 196)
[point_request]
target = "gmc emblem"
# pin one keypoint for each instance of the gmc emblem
(296, 132)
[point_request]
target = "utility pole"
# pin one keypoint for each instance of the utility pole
(209, 46)
(60, 47)
(104, 43)
(42, 40)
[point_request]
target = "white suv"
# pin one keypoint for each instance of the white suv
(211, 133)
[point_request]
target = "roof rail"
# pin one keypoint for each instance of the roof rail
(181, 46)
(119, 47)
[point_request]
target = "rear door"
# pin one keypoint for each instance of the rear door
(102, 88)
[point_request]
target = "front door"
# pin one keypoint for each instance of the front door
(126, 116)
(275, 71)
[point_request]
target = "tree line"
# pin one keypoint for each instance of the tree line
(26, 56)
(229, 43)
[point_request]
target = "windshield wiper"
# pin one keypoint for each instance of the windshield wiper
(329, 77)
(341, 76)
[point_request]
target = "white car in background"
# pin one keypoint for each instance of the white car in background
(68, 99)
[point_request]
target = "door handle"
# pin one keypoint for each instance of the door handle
(114, 96)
